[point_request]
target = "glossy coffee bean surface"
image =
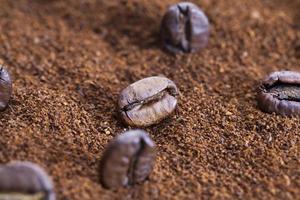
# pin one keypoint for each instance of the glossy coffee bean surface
(5, 87)
(280, 93)
(184, 28)
(25, 181)
(127, 160)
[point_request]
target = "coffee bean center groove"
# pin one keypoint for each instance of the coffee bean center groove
(151, 99)
(290, 92)
(133, 162)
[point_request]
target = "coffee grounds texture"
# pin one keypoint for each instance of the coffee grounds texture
(70, 59)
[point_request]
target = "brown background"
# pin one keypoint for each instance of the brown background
(70, 58)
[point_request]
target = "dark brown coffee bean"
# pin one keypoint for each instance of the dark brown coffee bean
(280, 93)
(148, 101)
(184, 28)
(24, 181)
(128, 159)
(5, 87)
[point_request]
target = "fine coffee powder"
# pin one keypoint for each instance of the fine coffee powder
(70, 59)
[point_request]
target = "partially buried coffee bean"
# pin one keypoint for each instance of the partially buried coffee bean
(24, 181)
(127, 160)
(5, 87)
(280, 93)
(184, 28)
(148, 101)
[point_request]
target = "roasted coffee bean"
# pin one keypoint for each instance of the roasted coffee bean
(127, 160)
(184, 28)
(148, 101)
(5, 87)
(24, 181)
(280, 93)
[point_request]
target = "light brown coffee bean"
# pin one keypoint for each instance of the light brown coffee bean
(148, 101)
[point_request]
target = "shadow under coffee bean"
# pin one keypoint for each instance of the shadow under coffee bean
(127, 160)
(184, 28)
(148, 101)
(5, 87)
(25, 181)
(280, 93)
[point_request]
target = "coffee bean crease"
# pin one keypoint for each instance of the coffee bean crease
(184, 28)
(280, 93)
(148, 101)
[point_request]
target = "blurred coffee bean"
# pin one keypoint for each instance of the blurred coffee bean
(127, 160)
(148, 101)
(184, 28)
(5, 87)
(280, 93)
(24, 181)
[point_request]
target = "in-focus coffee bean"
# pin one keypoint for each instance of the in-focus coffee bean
(184, 28)
(127, 160)
(280, 93)
(24, 181)
(5, 87)
(148, 101)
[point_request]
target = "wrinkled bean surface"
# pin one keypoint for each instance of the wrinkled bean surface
(280, 93)
(148, 101)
